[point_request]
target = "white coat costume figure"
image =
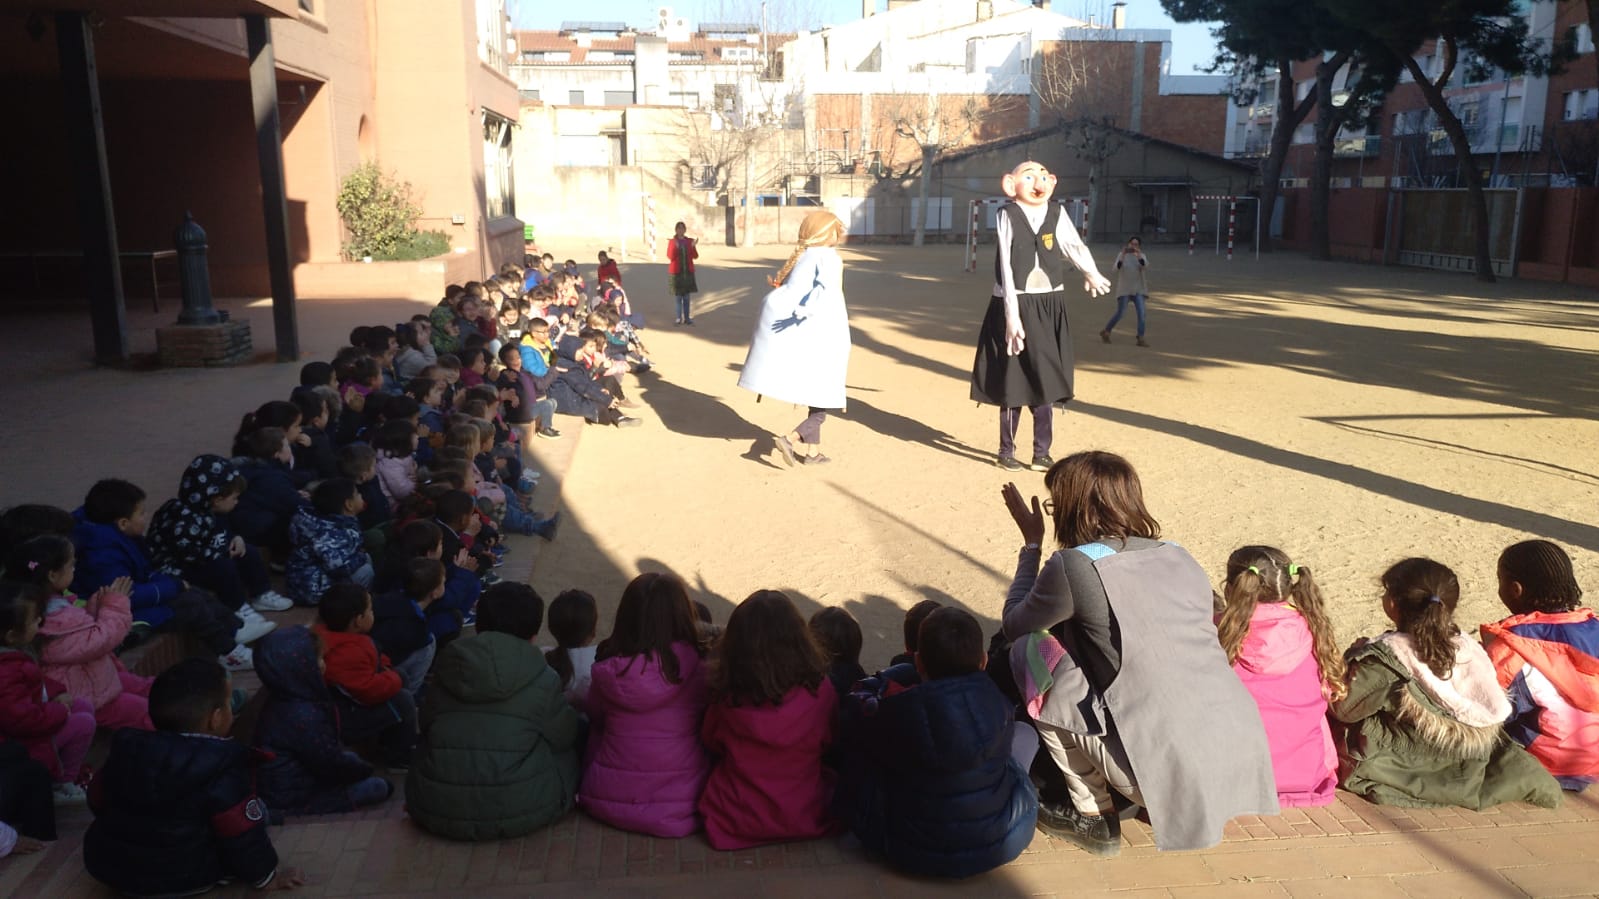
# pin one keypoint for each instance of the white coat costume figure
(799, 352)
(1024, 349)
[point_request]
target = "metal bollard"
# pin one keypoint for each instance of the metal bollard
(193, 274)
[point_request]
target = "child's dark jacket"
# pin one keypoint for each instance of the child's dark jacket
(327, 549)
(356, 668)
(262, 516)
(400, 626)
(184, 533)
(175, 814)
(27, 713)
(105, 554)
(929, 782)
(310, 770)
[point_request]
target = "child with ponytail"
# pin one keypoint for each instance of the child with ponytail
(1276, 633)
(1425, 713)
(78, 639)
(1547, 657)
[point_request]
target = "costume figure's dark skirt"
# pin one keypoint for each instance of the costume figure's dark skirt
(1043, 372)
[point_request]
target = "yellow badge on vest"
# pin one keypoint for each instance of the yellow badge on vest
(1049, 241)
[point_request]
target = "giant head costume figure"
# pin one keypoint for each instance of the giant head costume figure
(1029, 184)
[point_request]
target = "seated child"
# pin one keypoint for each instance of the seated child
(189, 539)
(645, 765)
(328, 548)
(499, 754)
(109, 537)
(78, 641)
(416, 352)
(1424, 710)
(770, 718)
(914, 617)
(425, 540)
(310, 772)
(315, 456)
(175, 810)
(1275, 631)
(25, 521)
(27, 808)
(359, 463)
(574, 620)
(1546, 655)
(395, 443)
(400, 622)
(53, 725)
(839, 635)
(530, 404)
(937, 776)
(271, 495)
(370, 695)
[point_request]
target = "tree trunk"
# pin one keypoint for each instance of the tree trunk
(749, 200)
(1092, 213)
(927, 175)
(1462, 145)
(1289, 115)
(1328, 120)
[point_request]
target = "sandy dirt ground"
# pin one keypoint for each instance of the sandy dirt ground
(1352, 415)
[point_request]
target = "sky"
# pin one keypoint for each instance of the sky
(1192, 45)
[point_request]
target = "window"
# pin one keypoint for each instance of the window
(618, 98)
(527, 94)
(574, 98)
(1304, 134)
(549, 55)
(1582, 38)
(1582, 104)
(686, 99)
(498, 187)
(1470, 114)
(725, 97)
(738, 53)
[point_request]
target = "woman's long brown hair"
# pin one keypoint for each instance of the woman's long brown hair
(1097, 495)
(1257, 574)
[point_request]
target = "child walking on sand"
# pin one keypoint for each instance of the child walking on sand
(1131, 286)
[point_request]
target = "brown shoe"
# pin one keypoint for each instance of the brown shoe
(787, 449)
(1143, 342)
(1105, 336)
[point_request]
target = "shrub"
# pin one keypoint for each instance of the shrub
(418, 245)
(378, 211)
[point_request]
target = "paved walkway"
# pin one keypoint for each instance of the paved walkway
(118, 423)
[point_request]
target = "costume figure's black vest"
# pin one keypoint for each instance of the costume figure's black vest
(1034, 257)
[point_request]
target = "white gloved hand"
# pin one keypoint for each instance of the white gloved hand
(1096, 284)
(1015, 337)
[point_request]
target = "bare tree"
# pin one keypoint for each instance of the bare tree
(935, 124)
(1084, 100)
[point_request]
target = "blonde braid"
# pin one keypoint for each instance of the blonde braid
(782, 273)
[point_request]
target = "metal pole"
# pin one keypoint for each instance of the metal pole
(1218, 227)
(97, 220)
(1257, 229)
(1193, 224)
(274, 197)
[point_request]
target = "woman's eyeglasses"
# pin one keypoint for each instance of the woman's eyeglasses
(1049, 507)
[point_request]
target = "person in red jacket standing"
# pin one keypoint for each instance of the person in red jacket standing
(680, 256)
(369, 693)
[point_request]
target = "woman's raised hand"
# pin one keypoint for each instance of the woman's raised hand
(1027, 513)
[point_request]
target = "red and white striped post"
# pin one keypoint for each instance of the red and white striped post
(1085, 220)
(1193, 224)
(971, 239)
(649, 225)
(1232, 220)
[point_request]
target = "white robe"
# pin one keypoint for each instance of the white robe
(804, 363)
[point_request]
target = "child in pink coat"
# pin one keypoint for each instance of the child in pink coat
(1278, 638)
(78, 640)
(645, 767)
(770, 720)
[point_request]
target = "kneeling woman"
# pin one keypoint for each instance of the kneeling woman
(1121, 669)
(800, 350)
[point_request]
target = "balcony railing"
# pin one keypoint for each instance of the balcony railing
(1366, 146)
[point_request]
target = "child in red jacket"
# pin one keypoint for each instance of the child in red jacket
(770, 718)
(373, 705)
(50, 723)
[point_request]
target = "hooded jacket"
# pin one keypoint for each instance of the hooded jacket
(267, 504)
(929, 782)
(356, 668)
(769, 785)
(646, 767)
(310, 770)
(184, 533)
(1549, 664)
(79, 645)
(1277, 663)
(105, 554)
(176, 813)
(499, 743)
(1415, 739)
(27, 713)
(327, 549)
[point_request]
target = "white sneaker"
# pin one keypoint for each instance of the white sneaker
(242, 658)
(272, 601)
(69, 794)
(254, 627)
